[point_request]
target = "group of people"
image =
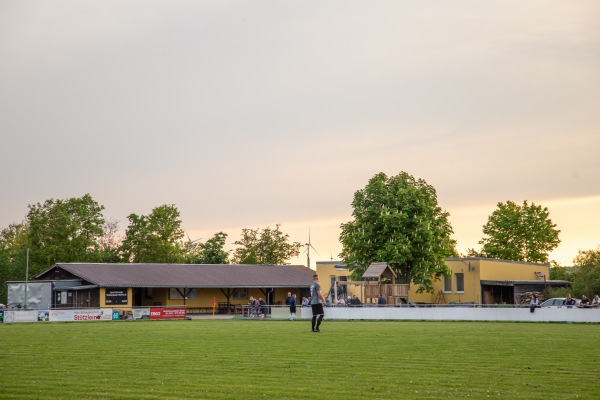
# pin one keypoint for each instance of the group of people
(569, 301)
(586, 303)
(258, 307)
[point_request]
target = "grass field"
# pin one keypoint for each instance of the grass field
(238, 359)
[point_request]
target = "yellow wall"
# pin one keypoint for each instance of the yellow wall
(204, 297)
(327, 269)
(474, 270)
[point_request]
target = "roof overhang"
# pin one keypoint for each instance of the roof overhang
(519, 283)
(81, 287)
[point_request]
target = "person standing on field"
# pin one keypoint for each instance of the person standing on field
(292, 304)
(317, 302)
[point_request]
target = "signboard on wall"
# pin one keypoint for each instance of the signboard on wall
(167, 313)
(81, 315)
(115, 296)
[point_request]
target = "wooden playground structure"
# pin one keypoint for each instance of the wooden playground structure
(370, 288)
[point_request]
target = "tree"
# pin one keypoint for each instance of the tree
(109, 242)
(64, 231)
(519, 233)
(269, 246)
(13, 255)
(397, 220)
(584, 275)
(211, 251)
(586, 279)
(154, 238)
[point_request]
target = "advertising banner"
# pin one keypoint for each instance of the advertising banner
(90, 315)
(141, 313)
(20, 316)
(167, 313)
(43, 315)
(61, 315)
(81, 315)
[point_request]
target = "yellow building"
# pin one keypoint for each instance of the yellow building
(334, 275)
(473, 280)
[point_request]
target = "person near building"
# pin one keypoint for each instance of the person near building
(596, 301)
(569, 301)
(533, 302)
(292, 304)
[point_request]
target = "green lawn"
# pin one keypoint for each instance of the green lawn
(239, 359)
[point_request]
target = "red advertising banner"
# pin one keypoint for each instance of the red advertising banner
(167, 313)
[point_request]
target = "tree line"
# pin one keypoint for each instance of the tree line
(75, 230)
(395, 219)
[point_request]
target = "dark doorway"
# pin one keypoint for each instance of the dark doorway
(497, 294)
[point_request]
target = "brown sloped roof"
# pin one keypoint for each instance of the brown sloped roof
(378, 269)
(187, 275)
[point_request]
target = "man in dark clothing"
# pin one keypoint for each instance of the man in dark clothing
(585, 302)
(263, 307)
(288, 299)
(292, 305)
(381, 300)
(316, 303)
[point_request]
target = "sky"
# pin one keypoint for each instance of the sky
(248, 114)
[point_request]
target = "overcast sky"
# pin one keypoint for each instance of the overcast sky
(245, 114)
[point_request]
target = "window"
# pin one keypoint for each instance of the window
(460, 282)
(448, 284)
(240, 294)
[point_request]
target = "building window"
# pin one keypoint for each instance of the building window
(460, 283)
(240, 294)
(448, 284)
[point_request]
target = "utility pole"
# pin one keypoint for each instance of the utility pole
(26, 278)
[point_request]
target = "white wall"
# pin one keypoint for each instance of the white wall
(457, 314)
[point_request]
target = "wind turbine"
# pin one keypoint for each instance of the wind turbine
(308, 246)
(190, 243)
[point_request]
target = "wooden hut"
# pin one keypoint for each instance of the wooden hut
(393, 293)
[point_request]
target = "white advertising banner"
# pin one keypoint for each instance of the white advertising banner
(90, 315)
(61, 315)
(141, 313)
(81, 315)
(21, 316)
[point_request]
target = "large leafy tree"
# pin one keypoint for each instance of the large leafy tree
(64, 231)
(519, 232)
(269, 246)
(13, 255)
(210, 252)
(397, 220)
(154, 238)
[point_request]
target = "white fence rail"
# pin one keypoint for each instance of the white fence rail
(450, 313)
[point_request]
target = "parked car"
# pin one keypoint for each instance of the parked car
(558, 302)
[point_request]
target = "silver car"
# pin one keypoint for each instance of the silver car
(557, 302)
